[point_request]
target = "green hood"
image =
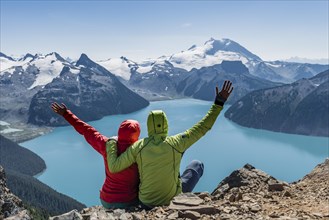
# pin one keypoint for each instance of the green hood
(157, 123)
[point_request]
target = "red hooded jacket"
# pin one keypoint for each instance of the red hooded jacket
(119, 187)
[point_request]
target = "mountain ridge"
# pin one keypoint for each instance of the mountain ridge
(213, 52)
(157, 79)
(287, 108)
(92, 89)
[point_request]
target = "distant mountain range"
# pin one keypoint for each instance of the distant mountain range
(29, 84)
(89, 90)
(28, 90)
(299, 108)
(19, 84)
(306, 60)
(214, 52)
(200, 83)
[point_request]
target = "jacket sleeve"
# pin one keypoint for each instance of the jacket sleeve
(118, 163)
(181, 142)
(92, 136)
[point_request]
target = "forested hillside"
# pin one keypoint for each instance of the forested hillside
(21, 165)
(39, 194)
(20, 159)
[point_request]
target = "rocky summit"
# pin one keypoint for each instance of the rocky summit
(248, 193)
(11, 207)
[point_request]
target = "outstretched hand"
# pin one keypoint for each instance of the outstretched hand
(223, 95)
(59, 109)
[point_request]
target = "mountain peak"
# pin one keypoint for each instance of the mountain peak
(222, 41)
(28, 55)
(124, 58)
(225, 44)
(85, 61)
(59, 57)
(192, 47)
(7, 57)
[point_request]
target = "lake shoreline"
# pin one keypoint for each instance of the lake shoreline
(29, 132)
(284, 156)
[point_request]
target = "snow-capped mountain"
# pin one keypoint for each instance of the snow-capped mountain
(211, 53)
(306, 60)
(21, 84)
(214, 52)
(162, 75)
(2, 55)
(45, 67)
(120, 67)
(49, 67)
(290, 72)
(89, 90)
(299, 108)
(158, 82)
(27, 57)
(7, 62)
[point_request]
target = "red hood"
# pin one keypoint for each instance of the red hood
(128, 132)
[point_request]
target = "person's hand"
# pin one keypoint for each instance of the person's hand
(223, 95)
(59, 109)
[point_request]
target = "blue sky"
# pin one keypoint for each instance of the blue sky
(142, 29)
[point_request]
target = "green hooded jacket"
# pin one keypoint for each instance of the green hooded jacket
(158, 156)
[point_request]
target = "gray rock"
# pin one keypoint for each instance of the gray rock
(189, 214)
(188, 199)
(137, 216)
(118, 212)
(173, 215)
(10, 205)
(202, 209)
(72, 215)
(23, 215)
(275, 186)
(204, 195)
(255, 208)
(126, 216)
(231, 198)
(227, 210)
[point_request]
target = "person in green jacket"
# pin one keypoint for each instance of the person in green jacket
(158, 156)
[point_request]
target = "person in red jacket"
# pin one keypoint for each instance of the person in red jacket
(120, 190)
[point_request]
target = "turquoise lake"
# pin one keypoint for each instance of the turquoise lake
(74, 168)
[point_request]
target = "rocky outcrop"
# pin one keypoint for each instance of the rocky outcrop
(11, 207)
(248, 193)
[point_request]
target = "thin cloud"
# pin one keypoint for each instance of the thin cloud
(186, 25)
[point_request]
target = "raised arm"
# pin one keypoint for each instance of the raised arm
(183, 141)
(92, 136)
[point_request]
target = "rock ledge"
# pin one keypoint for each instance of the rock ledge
(248, 193)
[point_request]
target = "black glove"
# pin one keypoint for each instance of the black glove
(219, 100)
(223, 95)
